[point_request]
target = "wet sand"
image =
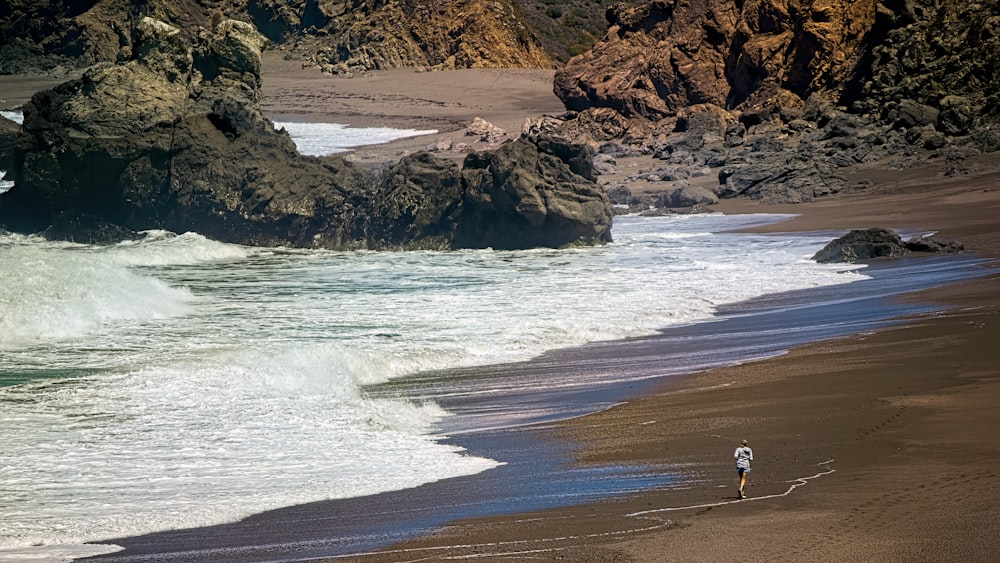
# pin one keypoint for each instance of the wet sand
(877, 445)
(874, 446)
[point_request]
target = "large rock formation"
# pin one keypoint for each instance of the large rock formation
(869, 244)
(339, 35)
(928, 56)
(524, 194)
(174, 139)
(42, 35)
(781, 94)
(668, 54)
(380, 34)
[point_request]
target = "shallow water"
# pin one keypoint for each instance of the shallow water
(179, 382)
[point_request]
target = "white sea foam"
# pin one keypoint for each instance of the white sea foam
(320, 139)
(178, 381)
(17, 116)
(53, 291)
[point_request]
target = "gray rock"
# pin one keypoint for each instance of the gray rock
(485, 131)
(775, 181)
(686, 196)
(605, 164)
(174, 139)
(532, 193)
(957, 115)
(862, 245)
(914, 114)
(619, 194)
(920, 243)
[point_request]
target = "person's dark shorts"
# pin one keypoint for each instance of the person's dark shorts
(742, 470)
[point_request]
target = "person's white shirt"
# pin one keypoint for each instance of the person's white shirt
(743, 456)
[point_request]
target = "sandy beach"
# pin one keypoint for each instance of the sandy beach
(874, 447)
(877, 446)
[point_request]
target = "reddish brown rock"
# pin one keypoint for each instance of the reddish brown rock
(671, 54)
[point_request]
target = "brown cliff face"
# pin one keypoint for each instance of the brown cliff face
(904, 62)
(338, 35)
(379, 34)
(670, 54)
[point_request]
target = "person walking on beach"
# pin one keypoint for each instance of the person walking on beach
(743, 455)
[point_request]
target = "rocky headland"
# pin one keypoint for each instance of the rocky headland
(778, 101)
(174, 139)
(335, 36)
(775, 101)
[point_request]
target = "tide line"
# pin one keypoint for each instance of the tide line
(795, 483)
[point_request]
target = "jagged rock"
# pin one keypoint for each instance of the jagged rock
(789, 181)
(957, 115)
(486, 131)
(665, 55)
(532, 193)
(862, 245)
(914, 114)
(54, 37)
(605, 164)
(174, 139)
(343, 35)
(824, 80)
(686, 196)
(921, 243)
(375, 34)
(619, 150)
(881, 243)
(545, 125)
(418, 204)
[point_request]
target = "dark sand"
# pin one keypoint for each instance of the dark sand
(880, 446)
(877, 446)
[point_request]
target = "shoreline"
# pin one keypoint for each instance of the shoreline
(905, 413)
(323, 529)
(855, 436)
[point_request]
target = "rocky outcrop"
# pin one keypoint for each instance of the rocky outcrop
(667, 55)
(174, 139)
(538, 193)
(782, 95)
(868, 244)
(53, 36)
(343, 37)
(862, 245)
(932, 62)
(339, 36)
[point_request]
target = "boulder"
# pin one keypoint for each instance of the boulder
(862, 245)
(174, 139)
(910, 113)
(605, 164)
(957, 115)
(532, 192)
(777, 180)
(686, 196)
(934, 244)
(485, 131)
